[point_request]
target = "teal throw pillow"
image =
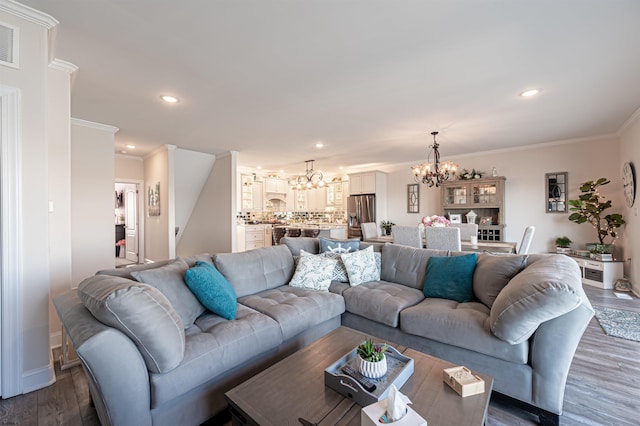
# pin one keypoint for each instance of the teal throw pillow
(450, 277)
(212, 289)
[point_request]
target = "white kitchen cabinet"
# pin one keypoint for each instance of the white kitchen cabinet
(317, 199)
(275, 186)
(363, 183)
(336, 194)
(251, 196)
(251, 237)
(598, 273)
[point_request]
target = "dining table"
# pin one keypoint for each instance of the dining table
(480, 246)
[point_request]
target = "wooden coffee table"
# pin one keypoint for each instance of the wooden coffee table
(295, 388)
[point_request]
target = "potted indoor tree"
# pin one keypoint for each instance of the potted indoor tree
(563, 245)
(373, 363)
(589, 208)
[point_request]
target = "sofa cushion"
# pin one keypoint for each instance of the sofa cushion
(169, 279)
(406, 265)
(296, 309)
(545, 290)
(493, 272)
(256, 270)
(141, 312)
(214, 346)
(212, 289)
(313, 271)
(339, 246)
(450, 277)
(361, 266)
(465, 325)
(295, 244)
(381, 301)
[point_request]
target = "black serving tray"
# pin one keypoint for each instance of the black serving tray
(399, 369)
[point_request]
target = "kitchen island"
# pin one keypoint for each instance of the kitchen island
(329, 230)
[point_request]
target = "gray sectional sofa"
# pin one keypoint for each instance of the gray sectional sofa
(146, 362)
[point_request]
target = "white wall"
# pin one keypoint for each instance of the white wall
(159, 241)
(630, 151)
(525, 187)
(31, 80)
(191, 170)
(129, 167)
(59, 144)
(92, 187)
(211, 228)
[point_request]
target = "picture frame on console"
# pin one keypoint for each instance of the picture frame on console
(485, 221)
(455, 218)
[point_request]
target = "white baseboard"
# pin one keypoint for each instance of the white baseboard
(39, 378)
(55, 340)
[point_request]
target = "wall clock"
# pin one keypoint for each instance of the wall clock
(629, 183)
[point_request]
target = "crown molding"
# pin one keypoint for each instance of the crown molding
(91, 124)
(128, 157)
(59, 64)
(634, 117)
(28, 13)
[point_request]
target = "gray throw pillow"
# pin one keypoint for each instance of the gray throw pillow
(141, 312)
(492, 274)
(169, 279)
(543, 291)
(339, 246)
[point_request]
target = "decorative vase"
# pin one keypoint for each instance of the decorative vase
(373, 370)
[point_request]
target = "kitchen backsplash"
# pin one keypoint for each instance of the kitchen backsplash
(334, 216)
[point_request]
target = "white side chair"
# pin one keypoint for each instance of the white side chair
(527, 237)
(369, 230)
(407, 236)
(440, 238)
(467, 230)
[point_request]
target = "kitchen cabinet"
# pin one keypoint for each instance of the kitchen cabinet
(275, 186)
(316, 199)
(485, 197)
(366, 183)
(336, 194)
(251, 194)
(249, 237)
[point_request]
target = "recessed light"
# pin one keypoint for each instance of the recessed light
(259, 167)
(319, 145)
(131, 146)
(169, 99)
(529, 93)
(123, 151)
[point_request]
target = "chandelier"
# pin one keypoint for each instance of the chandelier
(436, 172)
(311, 179)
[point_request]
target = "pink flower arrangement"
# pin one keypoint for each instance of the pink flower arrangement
(435, 220)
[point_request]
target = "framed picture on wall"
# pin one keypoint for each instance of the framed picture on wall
(153, 200)
(413, 198)
(485, 221)
(455, 218)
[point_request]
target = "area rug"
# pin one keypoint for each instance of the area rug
(619, 323)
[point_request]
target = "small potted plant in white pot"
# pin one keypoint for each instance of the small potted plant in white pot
(373, 363)
(563, 245)
(386, 225)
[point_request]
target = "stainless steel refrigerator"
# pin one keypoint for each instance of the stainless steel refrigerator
(360, 209)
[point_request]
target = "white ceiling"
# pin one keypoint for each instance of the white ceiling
(369, 78)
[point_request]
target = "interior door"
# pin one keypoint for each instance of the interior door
(131, 230)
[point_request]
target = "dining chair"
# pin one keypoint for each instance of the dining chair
(527, 237)
(442, 238)
(407, 236)
(369, 230)
(467, 230)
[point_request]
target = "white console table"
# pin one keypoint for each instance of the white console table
(599, 273)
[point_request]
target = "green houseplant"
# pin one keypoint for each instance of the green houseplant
(563, 244)
(386, 225)
(589, 208)
(372, 362)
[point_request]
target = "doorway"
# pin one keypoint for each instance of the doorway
(128, 232)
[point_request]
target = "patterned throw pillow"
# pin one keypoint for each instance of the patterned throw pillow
(313, 272)
(339, 272)
(339, 246)
(361, 266)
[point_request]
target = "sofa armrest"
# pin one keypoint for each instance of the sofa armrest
(112, 363)
(553, 347)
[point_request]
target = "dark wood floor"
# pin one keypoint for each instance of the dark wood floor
(603, 387)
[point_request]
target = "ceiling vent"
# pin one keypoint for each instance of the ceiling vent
(8, 45)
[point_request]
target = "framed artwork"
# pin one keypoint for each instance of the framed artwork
(485, 221)
(455, 218)
(413, 198)
(153, 200)
(556, 192)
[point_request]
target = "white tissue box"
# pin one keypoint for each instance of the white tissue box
(463, 381)
(370, 414)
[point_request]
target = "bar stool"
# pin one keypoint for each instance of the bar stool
(293, 232)
(277, 234)
(310, 233)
